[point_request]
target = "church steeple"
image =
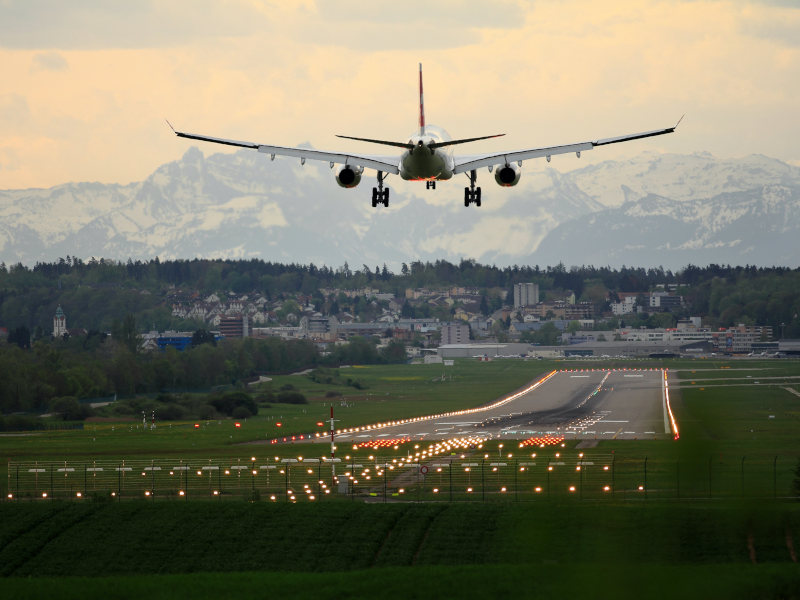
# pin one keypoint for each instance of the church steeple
(59, 323)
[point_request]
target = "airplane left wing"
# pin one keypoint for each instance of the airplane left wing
(379, 163)
(471, 163)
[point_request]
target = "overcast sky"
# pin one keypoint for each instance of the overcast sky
(86, 84)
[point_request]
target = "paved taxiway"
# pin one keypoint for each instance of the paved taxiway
(618, 404)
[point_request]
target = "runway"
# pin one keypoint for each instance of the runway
(575, 404)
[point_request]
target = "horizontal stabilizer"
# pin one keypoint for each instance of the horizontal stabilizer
(382, 142)
(464, 141)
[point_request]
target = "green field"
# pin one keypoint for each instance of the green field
(713, 517)
(357, 550)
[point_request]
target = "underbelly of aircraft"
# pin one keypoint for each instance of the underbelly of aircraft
(421, 165)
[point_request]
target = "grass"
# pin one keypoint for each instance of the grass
(746, 582)
(706, 515)
(358, 550)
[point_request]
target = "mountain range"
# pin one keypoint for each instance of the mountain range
(653, 210)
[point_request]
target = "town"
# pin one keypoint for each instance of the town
(522, 326)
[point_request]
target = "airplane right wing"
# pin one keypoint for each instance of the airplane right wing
(379, 163)
(471, 163)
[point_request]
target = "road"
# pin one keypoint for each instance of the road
(578, 404)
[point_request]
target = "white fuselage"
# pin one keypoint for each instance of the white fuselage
(423, 164)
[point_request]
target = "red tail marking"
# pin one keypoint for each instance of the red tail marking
(421, 104)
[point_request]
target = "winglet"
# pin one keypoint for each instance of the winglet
(679, 121)
(170, 126)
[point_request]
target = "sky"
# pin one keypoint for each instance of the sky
(86, 85)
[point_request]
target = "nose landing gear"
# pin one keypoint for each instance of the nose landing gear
(472, 193)
(380, 195)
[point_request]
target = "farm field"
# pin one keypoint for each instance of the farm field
(356, 549)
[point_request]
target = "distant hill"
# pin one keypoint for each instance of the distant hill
(667, 210)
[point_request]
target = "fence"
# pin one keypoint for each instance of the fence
(487, 478)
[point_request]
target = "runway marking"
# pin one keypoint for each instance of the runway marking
(667, 428)
(607, 421)
(575, 376)
(650, 432)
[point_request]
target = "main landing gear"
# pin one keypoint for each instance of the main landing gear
(472, 193)
(380, 195)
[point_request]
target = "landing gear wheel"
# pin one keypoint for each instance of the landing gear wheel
(380, 197)
(472, 193)
(379, 194)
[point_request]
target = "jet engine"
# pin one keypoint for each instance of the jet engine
(507, 175)
(349, 176)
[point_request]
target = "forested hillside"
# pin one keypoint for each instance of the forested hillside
(100, 293)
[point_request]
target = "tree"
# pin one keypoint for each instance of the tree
(394, 352)
(203, 336)
(484, 307)
(126, 334)
(21, 336)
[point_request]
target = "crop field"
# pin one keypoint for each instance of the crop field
(111, 503)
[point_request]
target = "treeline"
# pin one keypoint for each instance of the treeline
(98, 292)
(38, 379)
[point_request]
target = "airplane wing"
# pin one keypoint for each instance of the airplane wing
(470, 163)
(379, 163)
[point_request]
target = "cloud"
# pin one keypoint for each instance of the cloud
(780, 27)
(49, 61)
(104, 24)
(14, 110)
(96, 24)
(443, 13)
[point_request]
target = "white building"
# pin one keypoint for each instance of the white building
(526, 294)
(59, 323)
(455, 333)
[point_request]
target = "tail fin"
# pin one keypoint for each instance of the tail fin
(421, 104)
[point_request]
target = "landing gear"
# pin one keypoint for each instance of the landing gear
(472, 193)
(430, 185)
(380, 195)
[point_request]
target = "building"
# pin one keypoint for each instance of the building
(233, 327)
(317, 327)
(455, 333)
(664, 302)
(59, 323)
(174, 339)
(626, 305)
(525, 294)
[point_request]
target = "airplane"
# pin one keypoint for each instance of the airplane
(426, 157)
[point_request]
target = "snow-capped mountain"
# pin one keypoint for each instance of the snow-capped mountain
(667, 210)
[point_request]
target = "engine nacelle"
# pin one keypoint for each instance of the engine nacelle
(349, 176)
(507, 175)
